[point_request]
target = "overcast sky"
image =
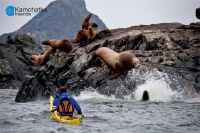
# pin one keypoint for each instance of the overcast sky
(114, 13)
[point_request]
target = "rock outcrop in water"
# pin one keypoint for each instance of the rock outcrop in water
(62, 20)
(170, 47)
(14, 63)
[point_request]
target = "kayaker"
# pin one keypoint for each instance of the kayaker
(66, 104)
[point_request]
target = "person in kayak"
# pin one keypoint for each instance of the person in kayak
(66, 104)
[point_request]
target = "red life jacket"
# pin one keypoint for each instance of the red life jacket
(65, 106)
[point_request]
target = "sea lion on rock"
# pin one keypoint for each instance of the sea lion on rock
(86, 35)
(120, 62)
(10, 39)
(145, 96)
(59, 44)
(93, 25)
(41, 59)
(91, 34)
(86, 23)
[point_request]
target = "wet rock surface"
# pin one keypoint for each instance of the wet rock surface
(15, 66)
(173, 50)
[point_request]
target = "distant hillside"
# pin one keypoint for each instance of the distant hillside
(63, 20)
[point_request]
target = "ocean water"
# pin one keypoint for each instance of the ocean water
(169, 110)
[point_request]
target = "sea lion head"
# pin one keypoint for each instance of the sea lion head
(90, 14)
(67, 44)
(31, 57)
(90, 28)
(129, 60)
(136, 63)
(94, 25)
(145, 96)
(46, 42)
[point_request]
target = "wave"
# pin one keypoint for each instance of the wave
(161, 86)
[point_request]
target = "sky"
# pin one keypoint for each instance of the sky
(114, 13)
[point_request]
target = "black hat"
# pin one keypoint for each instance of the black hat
(63, 89)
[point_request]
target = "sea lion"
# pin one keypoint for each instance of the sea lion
(120, 62)
(41, 59)
(86, 23)
(10, 39)
(59, 44)
(94, 25)
(198, 13)
(145, 96)
(91, 34)
(86, 35)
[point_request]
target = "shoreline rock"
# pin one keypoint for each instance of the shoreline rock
(173, 50)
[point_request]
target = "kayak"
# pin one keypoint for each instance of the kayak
(65, 119)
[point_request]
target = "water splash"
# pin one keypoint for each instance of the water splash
(158, 91)
(160, 85)
(91, 94)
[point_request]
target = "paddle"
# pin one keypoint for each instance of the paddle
(42, 81)
(51, 92)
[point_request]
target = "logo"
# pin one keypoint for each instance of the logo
(10, 10)
(20, 11)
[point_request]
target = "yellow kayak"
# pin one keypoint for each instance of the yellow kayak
(57, 117)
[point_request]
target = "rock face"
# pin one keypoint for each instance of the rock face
(62, 20)
(172, 48)
(15, 66)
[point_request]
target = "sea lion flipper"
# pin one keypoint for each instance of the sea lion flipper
(88, 40)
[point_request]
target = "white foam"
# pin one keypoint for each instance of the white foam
(161, 87)
(158, 84)
(158, 91)
(84, 95)
(92, 94)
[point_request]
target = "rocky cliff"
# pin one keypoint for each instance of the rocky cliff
(14, 64)
(172, 48)
(62, 20)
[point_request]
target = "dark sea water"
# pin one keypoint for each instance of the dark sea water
(171, 109)
(102, 114)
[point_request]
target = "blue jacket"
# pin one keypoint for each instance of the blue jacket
(56, 102)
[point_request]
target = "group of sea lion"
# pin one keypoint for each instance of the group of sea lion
(87, 34)
(63, 44)
(119, 62)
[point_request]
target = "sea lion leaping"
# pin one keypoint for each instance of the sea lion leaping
(120, 62)
(41, 59)
(86, 23)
